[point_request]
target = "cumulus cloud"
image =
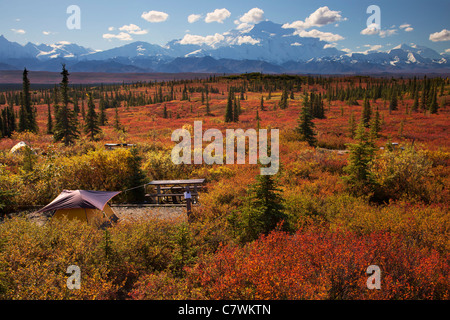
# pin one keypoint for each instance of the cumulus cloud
(373, 47)
(18, 31)
(201, 40)
(330, 45)
(123, 36)
(407, 27)
(324, 36)
(443, 35)
(218, 15)
(387, 33)
(318, 18)
(371, 29)
(254, 15)
(251, 17)
(133, 29)
(47, 33)
(374, 29)
(111, 29)
(194, 18)
(246, 40)
(155, 16)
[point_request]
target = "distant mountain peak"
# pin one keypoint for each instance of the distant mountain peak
(262, 47)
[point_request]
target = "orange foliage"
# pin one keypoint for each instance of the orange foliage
(317, 264)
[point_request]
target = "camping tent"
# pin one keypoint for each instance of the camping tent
(89, 206)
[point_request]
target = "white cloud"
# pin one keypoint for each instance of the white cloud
(318, 18)
(374, 29)
(194, 18)
(155, 16)
(18, 31)
(254, 15)
(325, 36)
(407, 27)
(242, 26)
(123, 36)
(330, 45)
(247, 21)
(111, 29)
(296, 44)
(246, 39)
(371, 29)
(443, 35)
(133, 29)
(46, 33)
(373, 47)
(387, 33)
(200, 40)
(218, 15)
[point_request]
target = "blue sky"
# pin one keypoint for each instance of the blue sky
(107, 24)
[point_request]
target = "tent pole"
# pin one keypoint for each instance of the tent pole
(86, 215)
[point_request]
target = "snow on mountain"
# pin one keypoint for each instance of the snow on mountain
(266, 47)
(265, 41)
(135, 49)
(424, 52)
(62, 49)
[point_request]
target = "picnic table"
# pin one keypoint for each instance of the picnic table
(172, 191)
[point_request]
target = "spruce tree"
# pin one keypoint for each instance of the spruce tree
(367, 112)
(352, 125)
(305, 127)
(415, 106)
(284, 99)
(102, 120)
(91, 126)
(229, 109)
(235, 111)
(359, 179)
(262, 211)
(433, 103)
(117, 124)
(393, 103)
(49, 119)
(423, 101)
(66, 122)
(208, 109)
(258, 119)
(27, 114)
(375, 125)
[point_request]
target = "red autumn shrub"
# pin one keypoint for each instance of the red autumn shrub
(316, 264)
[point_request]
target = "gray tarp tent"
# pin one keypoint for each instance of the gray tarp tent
(81, 204)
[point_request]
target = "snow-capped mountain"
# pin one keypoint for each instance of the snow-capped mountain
(62, 49)
(268, 41)
(264, 47)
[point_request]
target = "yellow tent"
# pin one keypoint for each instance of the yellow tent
(85, 214)
(88, 206)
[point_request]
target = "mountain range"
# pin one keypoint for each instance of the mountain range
(265, 47)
